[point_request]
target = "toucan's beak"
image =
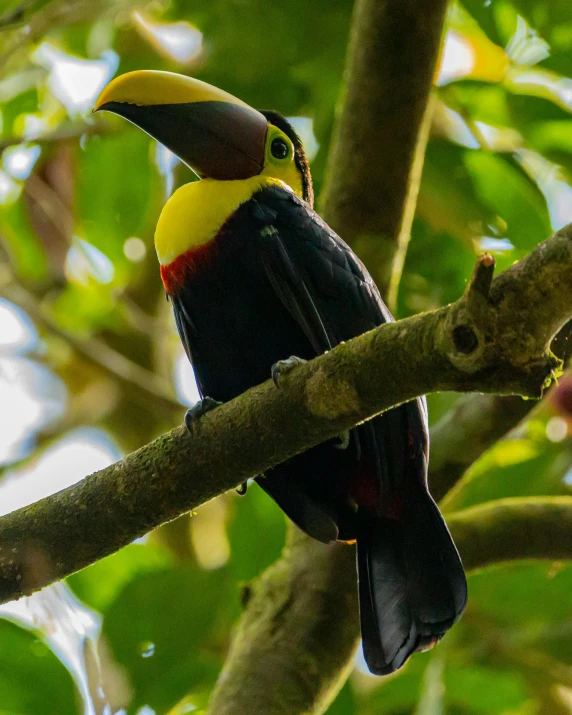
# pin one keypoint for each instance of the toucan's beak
(214, 133)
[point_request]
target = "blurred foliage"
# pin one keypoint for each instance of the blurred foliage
(25, 660)
(79, 197)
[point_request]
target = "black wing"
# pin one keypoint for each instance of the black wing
(331, 295)
(412, 585)
(318, 277)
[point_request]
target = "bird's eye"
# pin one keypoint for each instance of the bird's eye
(279, 149)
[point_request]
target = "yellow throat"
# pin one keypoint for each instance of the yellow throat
(195, 212)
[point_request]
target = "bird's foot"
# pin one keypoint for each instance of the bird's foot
(425, 643)
(283, 367)
(241, 490)
(344, 442)
(194, 414)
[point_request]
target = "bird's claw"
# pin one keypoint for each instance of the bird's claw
(241, 490)
(194, 414)
(344, 442)
(282, 367)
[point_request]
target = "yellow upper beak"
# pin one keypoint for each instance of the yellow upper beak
(216, 134)
(151, 87)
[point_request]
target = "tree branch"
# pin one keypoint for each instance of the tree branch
(375, 163)
(375, 166)
(489, 340)
(475, 423)
(516, 528)
(504, 530)
(300, 613)
(18, 15)
(64, 132)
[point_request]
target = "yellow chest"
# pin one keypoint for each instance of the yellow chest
(195, 212)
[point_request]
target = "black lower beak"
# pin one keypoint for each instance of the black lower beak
(219, 140)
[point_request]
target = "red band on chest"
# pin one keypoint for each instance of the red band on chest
(177, 273)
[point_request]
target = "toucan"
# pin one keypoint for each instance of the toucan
(254, 275)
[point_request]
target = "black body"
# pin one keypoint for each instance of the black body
(276, 282)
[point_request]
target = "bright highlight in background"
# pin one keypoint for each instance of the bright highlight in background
(17, 332)
(178, 41)
(185, 382)
(458, 58)
(166, 162)
(556, 429)
(67, 626)
(9, 189)
(67, 462)
(19, 161)
(134, 249)
(304, 128)
(34, 396)
(85, 262)
(74, 81)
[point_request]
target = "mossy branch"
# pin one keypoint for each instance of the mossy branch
(375, 164)
(515, 528)
(493, 340)
(374, 170)
(301, 617)
(475, 423)
(472, 425)
(297, 597)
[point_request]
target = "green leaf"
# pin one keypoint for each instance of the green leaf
(345, 703)
(506, 190)
(552, 21)
(448, 198)
(397, 694)
(426, 285)
(99, 584)
(513, 468)
(484, 13)
(481, 102)
(169, 630)
(82, 309)
(32, 680)
(22, 243)
(118, 170)
(489, 691)
(530, 600)
(19, 103)
(553, 140)
(255, 514)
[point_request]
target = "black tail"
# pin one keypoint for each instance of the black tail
(412, 586)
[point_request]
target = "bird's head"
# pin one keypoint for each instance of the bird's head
(215, 134)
